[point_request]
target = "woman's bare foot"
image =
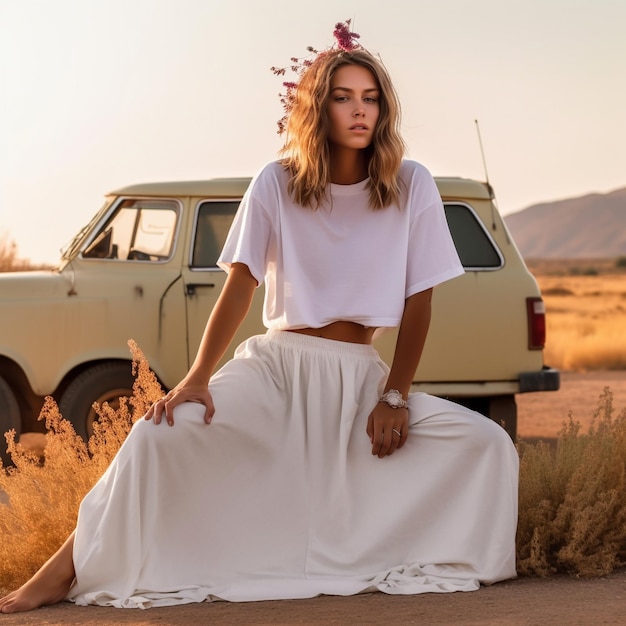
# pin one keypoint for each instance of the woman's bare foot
(48, 586)
(34, 594)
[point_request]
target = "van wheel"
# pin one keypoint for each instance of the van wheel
(105, 382)
(9, 418)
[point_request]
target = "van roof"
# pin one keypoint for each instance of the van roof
(449, 188)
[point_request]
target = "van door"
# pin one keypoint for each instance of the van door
(128, 286)
(204, 280)
(124, 284)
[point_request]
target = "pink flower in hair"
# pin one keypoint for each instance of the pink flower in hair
(345, 37)
(345, 40)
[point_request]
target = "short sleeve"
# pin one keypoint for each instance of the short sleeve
(249, 237)
(432, 257)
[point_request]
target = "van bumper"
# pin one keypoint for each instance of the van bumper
(547, 379)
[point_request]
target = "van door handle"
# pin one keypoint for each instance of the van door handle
(191, 287)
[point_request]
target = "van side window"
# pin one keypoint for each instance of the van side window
(474, 245)
(213, 220)
(138, 230)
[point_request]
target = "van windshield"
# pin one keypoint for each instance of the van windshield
(70, 249)
(138, 230)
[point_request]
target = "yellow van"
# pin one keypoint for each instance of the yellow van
(145, 268)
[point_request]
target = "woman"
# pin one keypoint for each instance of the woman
(282, 496)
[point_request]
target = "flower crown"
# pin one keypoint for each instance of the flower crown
(345, 39)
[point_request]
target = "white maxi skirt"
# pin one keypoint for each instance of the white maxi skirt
(281, 497)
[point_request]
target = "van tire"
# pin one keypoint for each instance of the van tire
(9, 418)
(104, 382)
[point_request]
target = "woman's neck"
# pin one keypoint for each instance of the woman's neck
(348, 167)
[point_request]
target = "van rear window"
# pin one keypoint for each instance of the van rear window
(475, 247)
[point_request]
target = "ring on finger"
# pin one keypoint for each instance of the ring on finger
(393, 430)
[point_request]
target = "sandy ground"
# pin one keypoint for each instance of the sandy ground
(541, 415)
(557, 600)
(527, 601)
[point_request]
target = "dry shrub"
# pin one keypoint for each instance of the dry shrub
(8, 256)
(40, 497)
(10, 261)
(573, 499)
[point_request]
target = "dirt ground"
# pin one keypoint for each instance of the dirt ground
(526, 601)
(557, 600)
(541, 415)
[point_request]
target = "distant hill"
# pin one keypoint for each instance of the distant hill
(592, 226)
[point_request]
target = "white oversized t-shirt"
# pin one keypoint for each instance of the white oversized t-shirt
(342, 261)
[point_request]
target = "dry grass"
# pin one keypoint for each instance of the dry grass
(10, 261)
(572, 499)
(586, 314)
(41, 497)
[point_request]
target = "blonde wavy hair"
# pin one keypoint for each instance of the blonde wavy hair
(306, 150)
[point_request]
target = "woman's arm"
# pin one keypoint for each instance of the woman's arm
(230, 310)
(409, 346)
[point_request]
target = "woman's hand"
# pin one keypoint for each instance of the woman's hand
(226, 316)
(387, 428)
(188, 390)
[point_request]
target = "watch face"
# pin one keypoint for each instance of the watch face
(394, 399)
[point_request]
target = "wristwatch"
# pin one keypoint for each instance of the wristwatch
(394, 399)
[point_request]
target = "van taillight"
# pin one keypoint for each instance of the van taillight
(536, 323)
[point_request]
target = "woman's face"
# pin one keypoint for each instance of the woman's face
(353, 107)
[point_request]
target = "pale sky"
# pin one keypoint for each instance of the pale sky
(98, 94)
